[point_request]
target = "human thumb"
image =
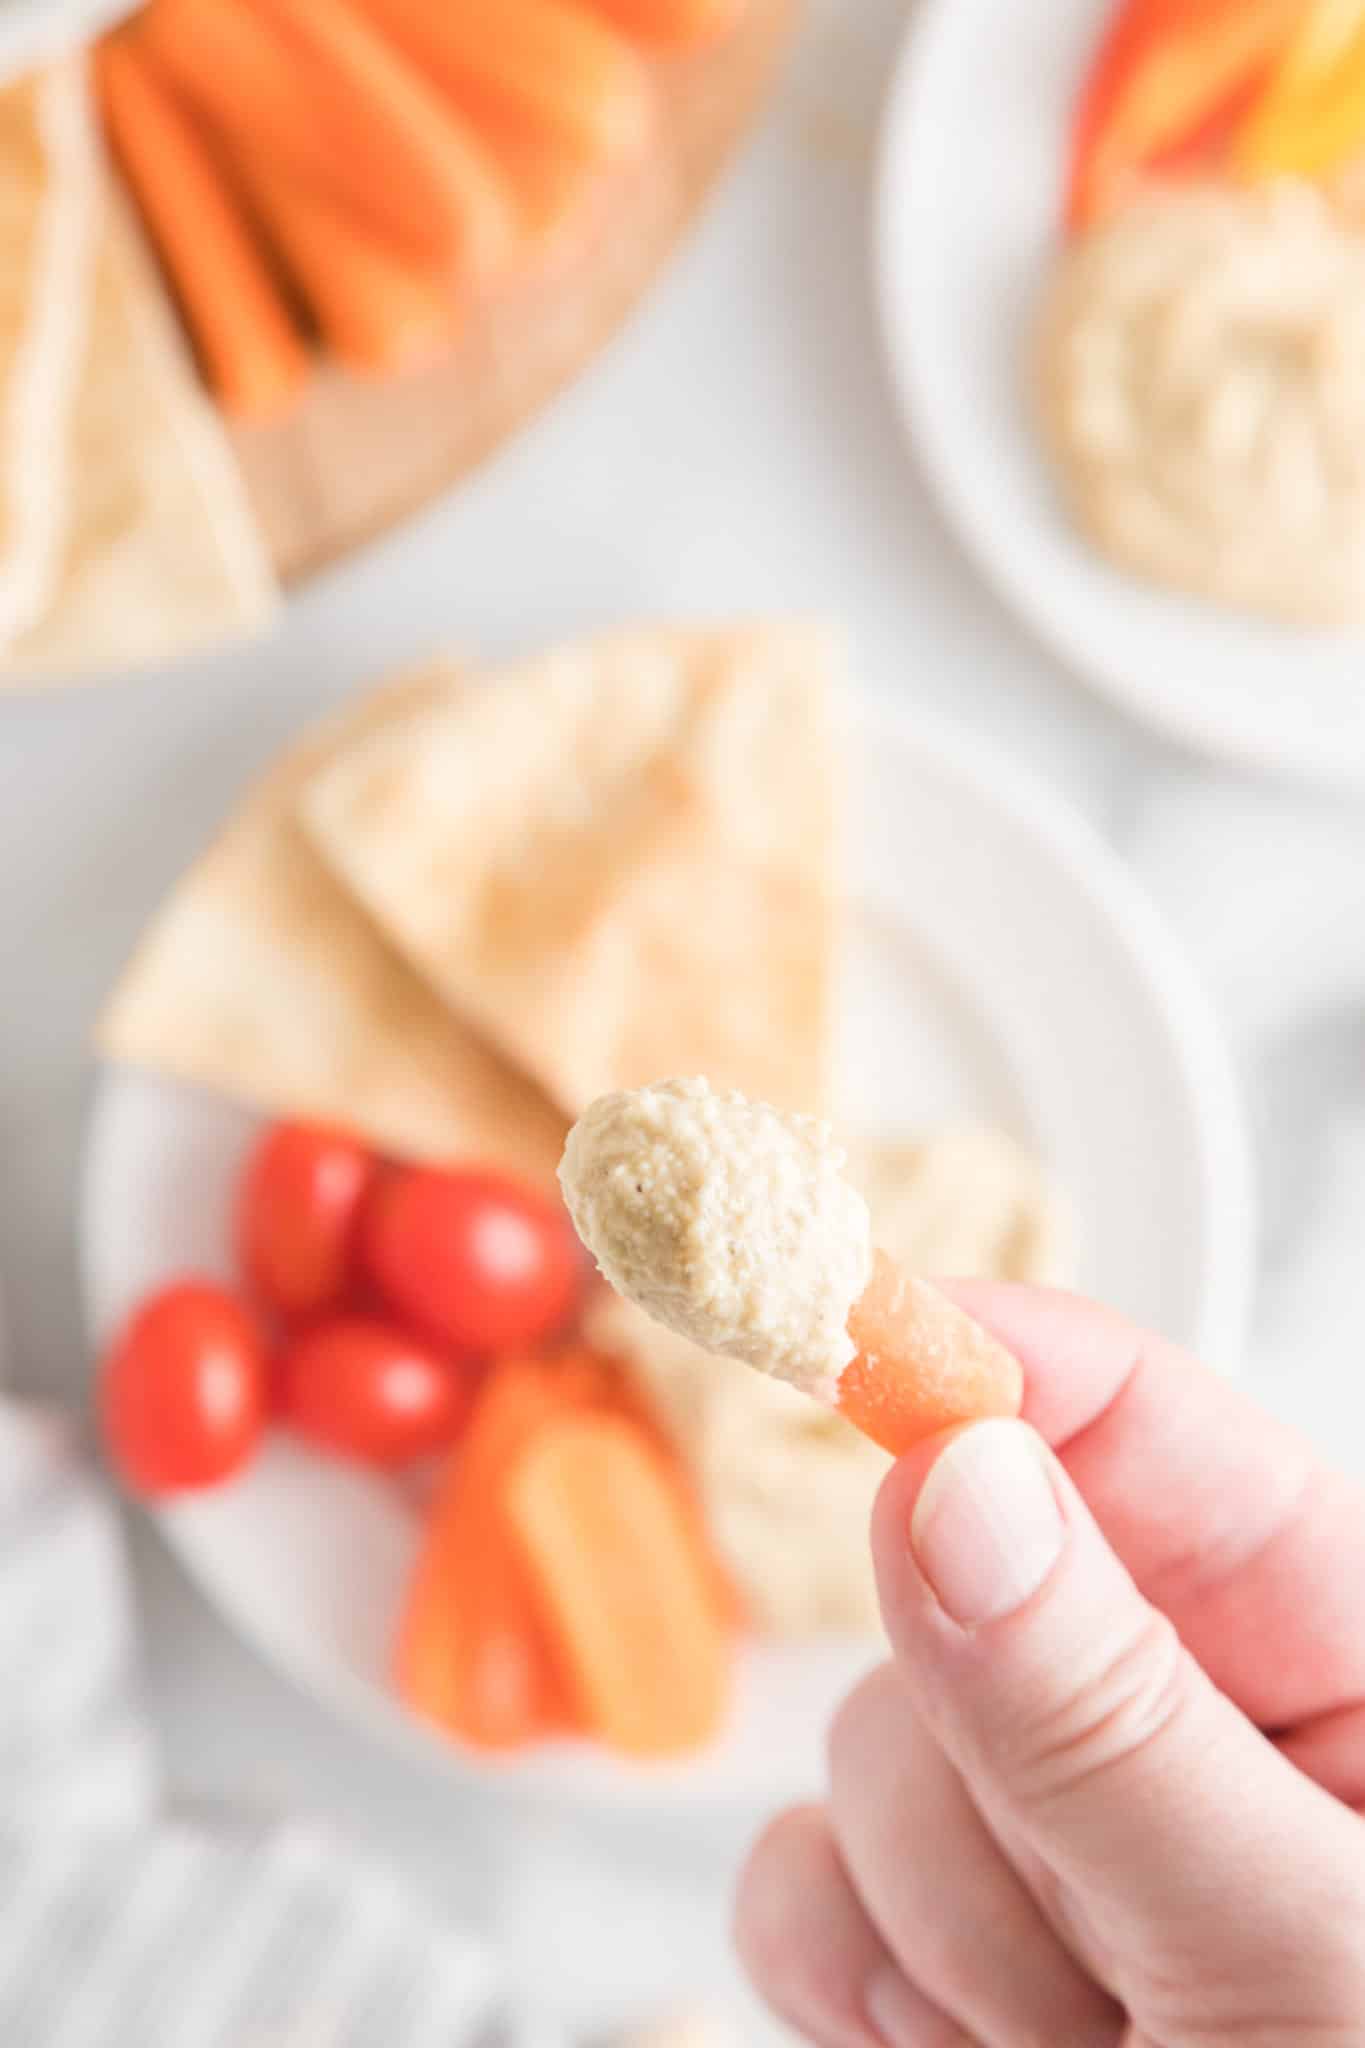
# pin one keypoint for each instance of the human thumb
(1215, 1885)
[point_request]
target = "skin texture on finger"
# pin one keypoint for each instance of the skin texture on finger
(1224, 1517)
(1331, 1750)
(951, 1908)
(812, 1953)
(1226, 1890)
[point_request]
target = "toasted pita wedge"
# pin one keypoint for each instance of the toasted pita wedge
(49, 184)
(161, 553)
(263, 980)
(616, 860)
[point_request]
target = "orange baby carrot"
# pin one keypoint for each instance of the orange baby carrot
(433, 149)
(236, 72)
(553, 185)
(346, 139)
(922, 1365)
(252, 354)
(630, 1609)
(672, 24)
(546, 63)
(472, 1655)
(378, 309)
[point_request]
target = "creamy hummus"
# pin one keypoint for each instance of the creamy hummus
(726, 1220)
(1203, 393)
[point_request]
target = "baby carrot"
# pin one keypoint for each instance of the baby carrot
(922, 1365)
(433, 150)
(471, 1654)
(623, 1592)
(252, 354)
(347, 136)
(672, 24)
(552, 184)
(546, 63)
(378, 309)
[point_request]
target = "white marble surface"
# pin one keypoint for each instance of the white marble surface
(736, 449)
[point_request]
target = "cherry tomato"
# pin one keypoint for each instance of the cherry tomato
(297, 1211)
(183, 1389)
(366, 1390)
(474, 1261)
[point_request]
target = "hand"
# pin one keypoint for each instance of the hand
(1106, 1790)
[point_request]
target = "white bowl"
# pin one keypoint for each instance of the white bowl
(973, 156)
(1003, 966)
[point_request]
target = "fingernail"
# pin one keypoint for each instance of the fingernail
(987, 1528)
(903, 2017)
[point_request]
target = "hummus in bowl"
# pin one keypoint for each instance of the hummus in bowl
(1202, 381)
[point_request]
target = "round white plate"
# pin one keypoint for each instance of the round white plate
(971, 175)
(1001, 965)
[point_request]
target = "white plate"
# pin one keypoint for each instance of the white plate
(34, 31)
(1002, 965)
(971, 174)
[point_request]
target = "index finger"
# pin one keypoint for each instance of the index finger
(1224, 1516)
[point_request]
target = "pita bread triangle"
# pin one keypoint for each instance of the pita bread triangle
(159, 552)
(49, 184)
(615, 860)
(261, 979)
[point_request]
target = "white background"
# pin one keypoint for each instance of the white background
(735, 450)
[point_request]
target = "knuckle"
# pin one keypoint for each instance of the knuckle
(1125, 1699)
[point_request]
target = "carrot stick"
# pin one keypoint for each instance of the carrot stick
(543, 63)
(553, 185)
(625, 1399)
(922, 1365)
(252, 354)
(623, 1593)
(472, 1655)
(268, 98)
(672, 24)
(363, 67)
(379, 310)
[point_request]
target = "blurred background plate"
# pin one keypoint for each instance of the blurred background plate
(1001, 966)
(973, 157)
(32, 31)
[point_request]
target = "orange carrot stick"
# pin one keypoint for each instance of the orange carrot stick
(379, 310)
(444, 155)
(472, 1655)
(922, 1364)
(267, 97)
(630, 1609)
(672, 24)
(555, 188)
(544, 63)
(252, 354)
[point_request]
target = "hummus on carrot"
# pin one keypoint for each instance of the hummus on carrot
(726, 1220)
(1203, 392)
(786, 1486)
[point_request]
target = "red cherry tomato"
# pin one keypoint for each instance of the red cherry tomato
(368, 1391)
(297, 1211)
(474, 1261)
(183, 1390)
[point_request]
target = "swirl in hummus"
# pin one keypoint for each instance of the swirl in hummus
(1203, 395)
(727, 1221)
